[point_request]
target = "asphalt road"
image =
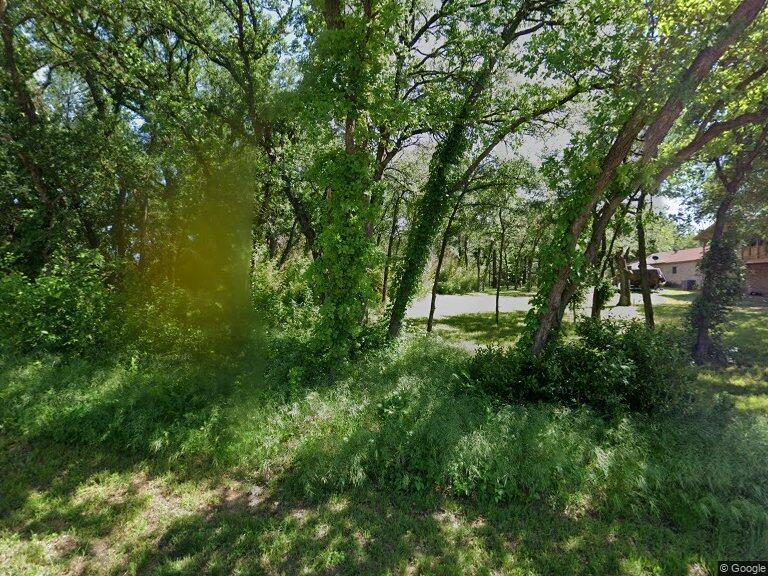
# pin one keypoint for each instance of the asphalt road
(456, 305)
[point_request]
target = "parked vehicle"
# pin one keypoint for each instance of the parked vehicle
(656, 278)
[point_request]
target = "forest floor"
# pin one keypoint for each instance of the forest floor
(162, 467)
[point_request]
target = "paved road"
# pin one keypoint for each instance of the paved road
(455, 305)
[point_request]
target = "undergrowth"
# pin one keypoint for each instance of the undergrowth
(404, 420)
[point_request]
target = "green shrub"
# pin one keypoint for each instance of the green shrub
(283, 297)
(456, 280)
(162, 318)
(607, 365)
(66, 308)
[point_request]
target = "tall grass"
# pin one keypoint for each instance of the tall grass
(403, 422)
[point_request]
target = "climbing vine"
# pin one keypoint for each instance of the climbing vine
(343, 273)
(723, 271)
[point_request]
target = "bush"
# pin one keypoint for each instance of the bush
(283, 296)
(66, 308)
(608, 365)
(76, 304)
(456, 280)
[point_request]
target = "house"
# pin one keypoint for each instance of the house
(681, 267)
(755, 256)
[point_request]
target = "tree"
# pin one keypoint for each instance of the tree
(721, 266)
(618, 179)
(445, 180)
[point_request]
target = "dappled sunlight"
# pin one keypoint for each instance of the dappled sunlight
(477, 329)
(225, 225)
(745, 336)
(396, 467)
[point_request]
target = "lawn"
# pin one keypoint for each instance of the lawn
(472, 330)
(746, 335)
(170, 466)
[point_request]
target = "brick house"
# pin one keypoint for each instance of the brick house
(681, 267)
(755, 256)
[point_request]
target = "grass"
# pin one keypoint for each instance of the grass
(745, 380)
(165, 466)
(471, 330)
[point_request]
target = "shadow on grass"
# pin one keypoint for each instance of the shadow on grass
(374, 529)
(479, 329)
(370, 479)
(66, 424)
(372, 532)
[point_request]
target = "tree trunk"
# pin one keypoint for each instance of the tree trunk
(494, 272)
(27, 109)
(304, 220)
(487, 278)
(598, 299)
(430, 213)
(715, 271)
(143, 232)
(440, 256)
(597, 305)
(621, 267)
(288, 245)
(119, 229)
(439, 189)
(501, 251)
(562, 289)
(478, 262)
(390, 244)
(704, 343)
(642, 262)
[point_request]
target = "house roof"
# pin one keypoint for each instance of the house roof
(676, 256)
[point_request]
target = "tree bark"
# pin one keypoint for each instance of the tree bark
(302, 217)
(502, 238)
(439, 189)
(642, 262)
(597, 297)
(288, 245)
(494, 271)
(624, 294)
(27, 109)
(478, 263)
(703, 343)
(118, 228)
(440, 256)
(390, 244)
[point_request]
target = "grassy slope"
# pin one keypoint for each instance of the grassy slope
(159, 468)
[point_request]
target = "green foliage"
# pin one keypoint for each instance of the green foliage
(68, 307)
(724, 279)
(162, 318)
(456, 280)
(607, 365)
(283, 298)
(342, 275)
